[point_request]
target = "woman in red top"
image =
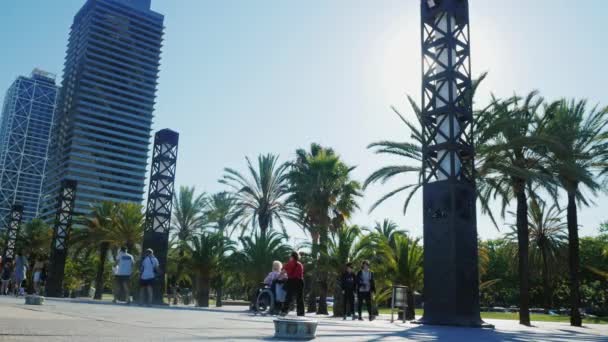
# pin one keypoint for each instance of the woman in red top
(295, 284)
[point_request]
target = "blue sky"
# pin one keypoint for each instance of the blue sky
(244, 77)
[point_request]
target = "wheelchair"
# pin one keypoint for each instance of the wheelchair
(265, 302)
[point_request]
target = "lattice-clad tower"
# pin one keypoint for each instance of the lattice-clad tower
(451, 288)
(160, 200)
(12, 232)
(61, 234)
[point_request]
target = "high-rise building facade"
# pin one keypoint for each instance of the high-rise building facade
(102, 130)
(25, 127)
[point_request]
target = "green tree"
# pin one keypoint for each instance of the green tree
(547, 237)
(323, 193)
(399, 258)
(35, 239)
(344, 246)
(387, 229)
(128, 227)
(207, 249)
(258, 253)
(261, 197)
(188, 219)
(222, 215)
(510, 166)
(578, 160)
(94, 235)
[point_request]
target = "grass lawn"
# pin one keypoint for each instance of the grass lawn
(515, 316)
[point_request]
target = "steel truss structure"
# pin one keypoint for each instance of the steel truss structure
(12, 232)
(61, 234)
(25, 128)
(451, 288)
(160, 200)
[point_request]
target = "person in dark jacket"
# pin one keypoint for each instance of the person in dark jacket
(366, 287)
(348, 284)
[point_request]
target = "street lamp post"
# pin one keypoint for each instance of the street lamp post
(160, 200)
(451, 284)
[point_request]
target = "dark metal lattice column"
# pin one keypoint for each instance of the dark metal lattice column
(451, 288)
(61, 234)
(160, 200)
(12, 232)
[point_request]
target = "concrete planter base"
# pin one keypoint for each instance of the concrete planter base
(34, 300)
(295, 328)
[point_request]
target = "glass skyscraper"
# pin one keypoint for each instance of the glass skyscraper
(102, 129)
(25, 127)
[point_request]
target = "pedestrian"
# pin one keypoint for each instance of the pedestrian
(124, 269)
(148, 273)
(366, 286)
(5, 277)
(38, 268)
(348, 285)
(19, 273)
(295, 284)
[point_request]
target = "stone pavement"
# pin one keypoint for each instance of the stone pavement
(66, 320)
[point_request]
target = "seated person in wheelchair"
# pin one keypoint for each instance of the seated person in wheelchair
(275, 279)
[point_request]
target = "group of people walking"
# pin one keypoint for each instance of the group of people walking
(149, 270)
(287, 284)
(13, 275)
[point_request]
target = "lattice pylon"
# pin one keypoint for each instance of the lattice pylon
(160, 200)
(12, 232)
(61, 234)
(451, 283)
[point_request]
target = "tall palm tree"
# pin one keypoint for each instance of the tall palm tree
(262, 196)
(323, 194)
(581, 156)
(222, 215)
(511, 165)
(188, 218)
(207, 250)
(547, 237)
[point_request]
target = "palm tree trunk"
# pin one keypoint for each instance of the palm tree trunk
(410, 312)
(312, 285)
(573, 260)
(180, 265)
(103, 251)
(219, 292)
(546, 284)
(322, 270)
(202, 293)
(338, 301)
(522, 244)
(264, 223)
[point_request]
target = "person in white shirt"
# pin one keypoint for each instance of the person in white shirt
(149, 270)
(124, 269)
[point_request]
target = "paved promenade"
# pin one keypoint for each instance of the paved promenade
(64, 320)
